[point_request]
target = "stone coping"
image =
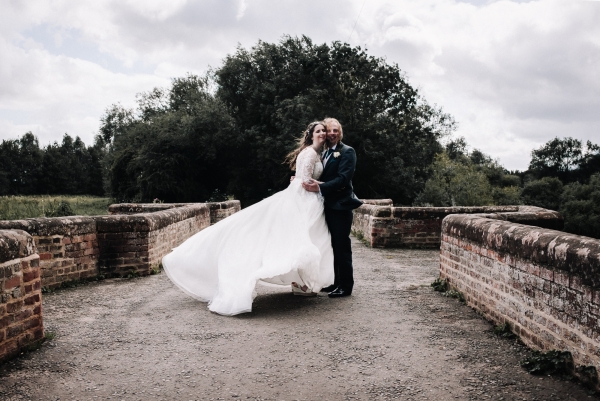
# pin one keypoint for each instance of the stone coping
(47, 226)
(15, 244)
(149, 221)
(575, 254)
(529, 215)
(380, 202)
(408, 212)
(136, 208)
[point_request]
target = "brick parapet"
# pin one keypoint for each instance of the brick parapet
(544, 283)
(380, 202)
(221, 210)
(218, 210)
(67, 247)
(136, 243)
(78, 248)
(393, 227)
(20, 295)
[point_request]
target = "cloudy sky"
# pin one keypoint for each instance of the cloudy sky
(514, 74)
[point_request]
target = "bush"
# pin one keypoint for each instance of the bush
(454, 183)
(544, 193)
(507, 195)
(581, 207)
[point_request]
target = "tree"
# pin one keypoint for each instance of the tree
(20, 165)
(175, 148)
(544, 193)
(581, 207)
(273, 90)
(453, 183)
(557, 158)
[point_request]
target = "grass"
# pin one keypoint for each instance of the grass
(23, 207)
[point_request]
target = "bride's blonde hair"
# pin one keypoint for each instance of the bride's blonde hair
(303, 142)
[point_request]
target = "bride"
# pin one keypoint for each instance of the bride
(282, 240)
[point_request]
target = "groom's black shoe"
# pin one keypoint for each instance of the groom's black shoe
(340, 292)
(329, 288)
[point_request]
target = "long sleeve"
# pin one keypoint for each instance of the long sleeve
(305, 164)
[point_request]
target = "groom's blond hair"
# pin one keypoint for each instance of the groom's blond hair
(330, 120)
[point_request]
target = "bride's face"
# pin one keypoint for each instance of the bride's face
(319, 135)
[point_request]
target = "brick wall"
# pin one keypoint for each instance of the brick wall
(20, 293)
(218, 210)
(67, 247)
(545, 283)
(385, 226)
(78, 248)
(136, 243)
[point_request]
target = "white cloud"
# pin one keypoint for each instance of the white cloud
(513, 73)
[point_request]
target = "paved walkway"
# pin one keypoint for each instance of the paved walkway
(143, 339)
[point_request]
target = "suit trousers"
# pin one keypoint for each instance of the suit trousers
(340, 225)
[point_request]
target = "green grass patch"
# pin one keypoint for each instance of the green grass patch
(23, 207)
(359, 236)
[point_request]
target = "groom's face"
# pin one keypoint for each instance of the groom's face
(333, 133)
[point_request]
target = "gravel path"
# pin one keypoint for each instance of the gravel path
(394, 338)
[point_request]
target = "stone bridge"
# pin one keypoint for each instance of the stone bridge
(394, 338)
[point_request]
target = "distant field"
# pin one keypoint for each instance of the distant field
(22, 207)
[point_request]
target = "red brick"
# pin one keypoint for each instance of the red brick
(5, 321)
(31, 275)
(33, 322)
(12, 282)
(66, 240)
(575, 283)
(32, 299)
(45, 256)
(14, 330)
(24, 314)
(561, 278)
(14, 306)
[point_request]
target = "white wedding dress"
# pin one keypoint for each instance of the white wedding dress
(280, 240)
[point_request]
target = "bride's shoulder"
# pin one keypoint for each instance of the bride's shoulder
(308, 151)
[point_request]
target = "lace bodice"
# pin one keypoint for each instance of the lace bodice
(308, 165)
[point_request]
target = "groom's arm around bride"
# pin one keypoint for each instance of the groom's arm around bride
(339, 165)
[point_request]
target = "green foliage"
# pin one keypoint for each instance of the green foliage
(544, 193)
(556, 158)
(455, 294)
(588, 375)
(22, 207)
(274, 90)
(581, 207)
(178, 147)
(504, 330)
(506, 195)
(567, 159)
(549, 363)
(63, 208)
(440, 285)
(455, 183)
(68, 168)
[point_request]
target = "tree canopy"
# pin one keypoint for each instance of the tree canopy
(184, 142)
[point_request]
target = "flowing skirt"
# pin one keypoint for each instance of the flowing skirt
(282, 239)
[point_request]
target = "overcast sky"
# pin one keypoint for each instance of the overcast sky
(514, 74)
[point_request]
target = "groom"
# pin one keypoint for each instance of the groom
(339, 163)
